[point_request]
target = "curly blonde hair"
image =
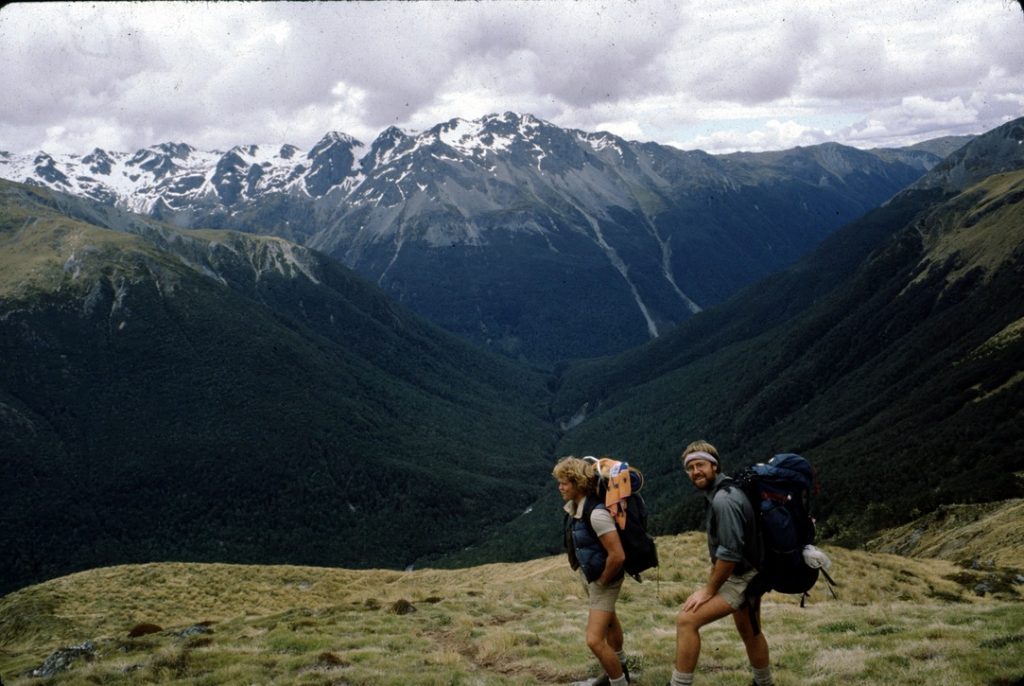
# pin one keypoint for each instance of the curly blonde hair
(580, 473)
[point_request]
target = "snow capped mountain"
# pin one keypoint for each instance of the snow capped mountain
(498, 228)
(333, 162)
(179, 176)
(130, 181)
(500, 150)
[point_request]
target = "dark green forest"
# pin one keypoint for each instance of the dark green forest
(149, 412)
(875, 370)
(897, 375)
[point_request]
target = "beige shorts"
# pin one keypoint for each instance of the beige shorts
(602, 597)
(733, 588)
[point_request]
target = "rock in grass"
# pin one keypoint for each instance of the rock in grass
(62, 659)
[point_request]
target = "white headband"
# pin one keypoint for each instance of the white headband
(699, 455)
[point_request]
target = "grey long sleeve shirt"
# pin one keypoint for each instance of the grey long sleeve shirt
(732, 532)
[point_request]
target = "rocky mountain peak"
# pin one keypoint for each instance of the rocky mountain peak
(512, 121)
(248, 150)
(180, 151)
(99, 161)
(332, 139)
(386, 146)
(332, 160)
(46, 169)
(999, 150)
(160, 160)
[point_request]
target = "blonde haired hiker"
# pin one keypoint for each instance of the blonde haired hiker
(593, 545)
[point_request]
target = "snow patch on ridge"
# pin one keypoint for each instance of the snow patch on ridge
(600, 141)
(470, 137)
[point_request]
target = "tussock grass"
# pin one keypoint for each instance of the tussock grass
(984, 226)
(983, 535)
(897, 621)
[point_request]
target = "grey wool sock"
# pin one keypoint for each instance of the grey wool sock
(681, 679)
(763, 676)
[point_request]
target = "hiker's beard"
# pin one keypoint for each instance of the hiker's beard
(703, 481)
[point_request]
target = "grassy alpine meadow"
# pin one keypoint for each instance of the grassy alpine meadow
(897, 621)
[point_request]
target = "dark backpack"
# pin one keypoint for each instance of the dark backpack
(780, 492)
(641, 550)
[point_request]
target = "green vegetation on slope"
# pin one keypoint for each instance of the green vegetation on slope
(175, 395)
(979, 536)
(897, 621)
(890, 357)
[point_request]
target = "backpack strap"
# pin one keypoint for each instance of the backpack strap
(589, 505)
(831, 584)
(568, 543)
(728, 484)
(754, 609)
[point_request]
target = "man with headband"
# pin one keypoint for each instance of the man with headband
(733, 544)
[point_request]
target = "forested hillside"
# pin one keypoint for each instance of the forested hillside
(177, 395)
(890, 357)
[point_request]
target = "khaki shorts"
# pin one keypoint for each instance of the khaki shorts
(602, 597)
(733, 588)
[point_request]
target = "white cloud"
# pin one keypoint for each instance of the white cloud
(623, 128)
(698, 72)
(772, 135)
(912, 118)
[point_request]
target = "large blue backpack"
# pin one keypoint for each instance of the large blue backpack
(780, 492)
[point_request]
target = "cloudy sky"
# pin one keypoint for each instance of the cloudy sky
(711, 74)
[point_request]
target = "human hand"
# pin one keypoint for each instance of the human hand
(697, 598)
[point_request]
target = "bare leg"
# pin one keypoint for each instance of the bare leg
(614, 636)
(757, 646)
(688, 626)
(599, 627)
